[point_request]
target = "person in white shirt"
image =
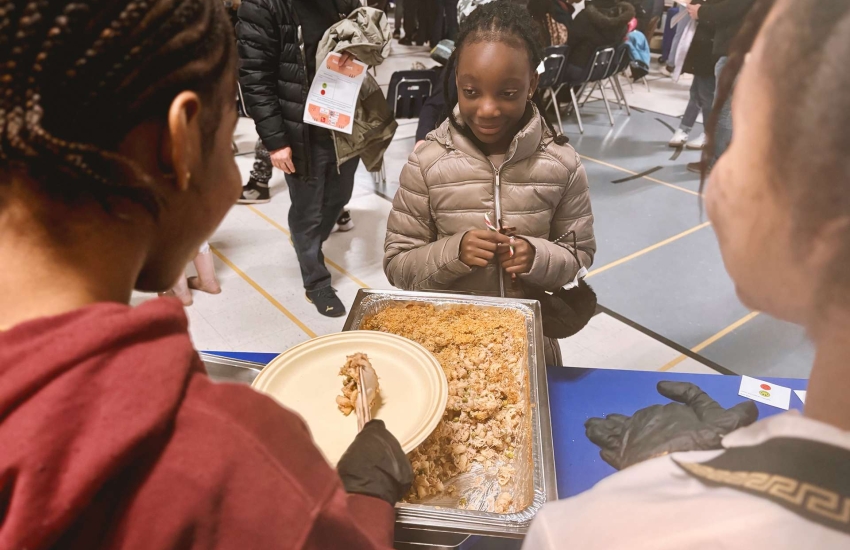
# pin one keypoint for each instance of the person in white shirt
(779, 201)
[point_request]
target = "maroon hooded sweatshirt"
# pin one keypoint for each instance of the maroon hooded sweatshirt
(113, 436)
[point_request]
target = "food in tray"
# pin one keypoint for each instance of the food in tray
(483, 353)
(350, 372)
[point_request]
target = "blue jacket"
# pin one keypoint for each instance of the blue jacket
(638, 47)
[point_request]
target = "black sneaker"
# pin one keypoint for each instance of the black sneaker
(406, 41)
(396, 34)
(326, 302)
(344, 223)
(254, 193)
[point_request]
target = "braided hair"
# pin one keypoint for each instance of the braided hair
(500, 21)
(77, 76)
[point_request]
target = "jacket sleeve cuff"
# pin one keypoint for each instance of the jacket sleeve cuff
(448, 266)
(543, 273)
(455, 265)
(274, 143)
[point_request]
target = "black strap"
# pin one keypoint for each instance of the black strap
(809, 478)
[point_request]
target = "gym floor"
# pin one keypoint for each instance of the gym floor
(667, 301)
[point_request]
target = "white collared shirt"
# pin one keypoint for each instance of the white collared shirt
(657, 506)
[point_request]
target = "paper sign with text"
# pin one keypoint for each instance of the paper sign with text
(333, 95)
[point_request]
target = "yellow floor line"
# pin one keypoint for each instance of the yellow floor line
(627, 171)
(264, 293)
(701, 346)
(648, 249)
(331, 263)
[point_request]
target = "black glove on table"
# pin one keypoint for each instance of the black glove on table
(696, 423)
(375, 465)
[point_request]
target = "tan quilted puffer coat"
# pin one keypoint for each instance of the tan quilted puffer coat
(448, 185)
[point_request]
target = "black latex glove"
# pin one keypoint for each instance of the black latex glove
(375, 465)
(696, 423)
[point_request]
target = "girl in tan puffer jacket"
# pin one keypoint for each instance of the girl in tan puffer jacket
(494, 156)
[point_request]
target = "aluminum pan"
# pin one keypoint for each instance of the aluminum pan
(543, 471)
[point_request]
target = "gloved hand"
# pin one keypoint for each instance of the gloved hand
(696, 423)
(375, 465)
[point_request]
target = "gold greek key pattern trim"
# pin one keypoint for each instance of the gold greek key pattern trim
(811, 498)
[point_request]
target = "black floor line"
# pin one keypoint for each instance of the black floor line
(667, 342)
(638, 176)
(383, 196)
(672, 130)
(676, 153)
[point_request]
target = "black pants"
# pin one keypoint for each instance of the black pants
(445, 24)
(419, 19)
(317, 202)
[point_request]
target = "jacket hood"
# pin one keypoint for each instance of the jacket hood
(85, 396)
(534, 134)
(610, 18)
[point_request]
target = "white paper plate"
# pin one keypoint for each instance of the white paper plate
(306, 379)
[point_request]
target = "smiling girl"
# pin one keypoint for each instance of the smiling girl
(494, 158)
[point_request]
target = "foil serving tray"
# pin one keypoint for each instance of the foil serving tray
(538, 469)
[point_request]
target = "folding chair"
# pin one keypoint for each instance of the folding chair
(555, 57)
(619, 66)
(594, 72)
(406, 95)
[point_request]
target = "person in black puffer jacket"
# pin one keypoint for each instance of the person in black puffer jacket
(278, 40)
(601, 23)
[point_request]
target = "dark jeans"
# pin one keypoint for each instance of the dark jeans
(419, 19)
(317, 202)
(399, 15)
(723, 132)
(702, 98)
(445, 24)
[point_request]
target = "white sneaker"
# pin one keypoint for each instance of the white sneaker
(696, 144)
(665, 70)
(344, 223)
(679, 138)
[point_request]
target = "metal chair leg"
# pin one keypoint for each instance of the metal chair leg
(646, 83)
(578, 114)
(607, 107)
(557, 112)
(623, 95)
(616, 93)
(593, 89)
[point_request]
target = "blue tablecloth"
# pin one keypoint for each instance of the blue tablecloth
(578, 394)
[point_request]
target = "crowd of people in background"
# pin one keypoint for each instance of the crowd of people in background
(275, 75)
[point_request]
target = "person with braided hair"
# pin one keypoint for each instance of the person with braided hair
(779, 203)
(494, 162)
(116, 120)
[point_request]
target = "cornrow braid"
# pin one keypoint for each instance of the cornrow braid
(76, 76)
(499, 21)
